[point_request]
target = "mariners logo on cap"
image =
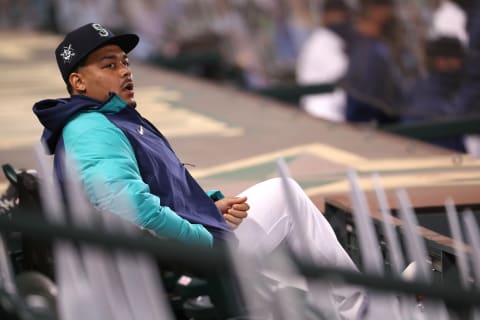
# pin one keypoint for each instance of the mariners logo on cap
(102, 32)
(67, 54)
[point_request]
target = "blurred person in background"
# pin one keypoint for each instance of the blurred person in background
(449, 19)
(433, 96)
(468, 95)
(149, 19)
(238, 46)
(6, 14)
(292, 25)
(277, 30)
(471, 9)
(461, 97)
(323, 59)
(373, 81)
(26, 14)
(70, 14)
(200, 38)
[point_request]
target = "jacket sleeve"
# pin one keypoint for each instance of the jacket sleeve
(109, 171)
(215, 195)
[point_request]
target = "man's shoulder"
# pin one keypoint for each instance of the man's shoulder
(91, 132)
(93, 125)
(87, 120)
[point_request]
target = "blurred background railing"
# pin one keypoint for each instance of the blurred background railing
(53, 265)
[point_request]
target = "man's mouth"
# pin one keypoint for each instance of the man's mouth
(128, 87)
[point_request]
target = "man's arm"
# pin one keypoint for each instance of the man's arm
(104, 156)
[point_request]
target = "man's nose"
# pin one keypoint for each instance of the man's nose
(126, 71)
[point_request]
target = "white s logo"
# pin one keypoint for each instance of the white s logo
(102, 32)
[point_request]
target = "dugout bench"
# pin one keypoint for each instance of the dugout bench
(428, 204)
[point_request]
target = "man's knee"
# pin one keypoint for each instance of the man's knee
(277, 183)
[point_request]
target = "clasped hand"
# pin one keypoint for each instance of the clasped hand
(234, 210)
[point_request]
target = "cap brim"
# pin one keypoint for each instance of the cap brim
(125, 41)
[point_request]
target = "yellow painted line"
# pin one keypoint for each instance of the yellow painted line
(366, 185)
(157, 105)
(249, 162)
(335, 154)
(402, 181)
(349, 159)
(23, 48)
(458, 175)
(453, 161)
(154, 103)
(320, 150)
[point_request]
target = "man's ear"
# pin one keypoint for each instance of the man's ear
(76, 81)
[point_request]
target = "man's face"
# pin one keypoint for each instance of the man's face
(107, 70)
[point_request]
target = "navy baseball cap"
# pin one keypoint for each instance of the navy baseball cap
(79, 43)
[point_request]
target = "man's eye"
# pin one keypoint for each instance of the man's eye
(126, 63)
(110, 66)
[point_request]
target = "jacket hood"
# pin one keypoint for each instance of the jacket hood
(54, 114)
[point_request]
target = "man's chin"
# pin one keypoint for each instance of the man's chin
(130, 101)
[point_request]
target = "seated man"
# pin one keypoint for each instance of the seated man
(99, 127)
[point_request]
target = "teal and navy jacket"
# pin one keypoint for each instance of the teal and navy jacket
(112, 144)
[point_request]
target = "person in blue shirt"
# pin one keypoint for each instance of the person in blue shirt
(99, 128)
(433, 96)
(373, 81)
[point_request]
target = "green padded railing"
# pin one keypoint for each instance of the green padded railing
(438, 129)
(293, 93)
(216, 262)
